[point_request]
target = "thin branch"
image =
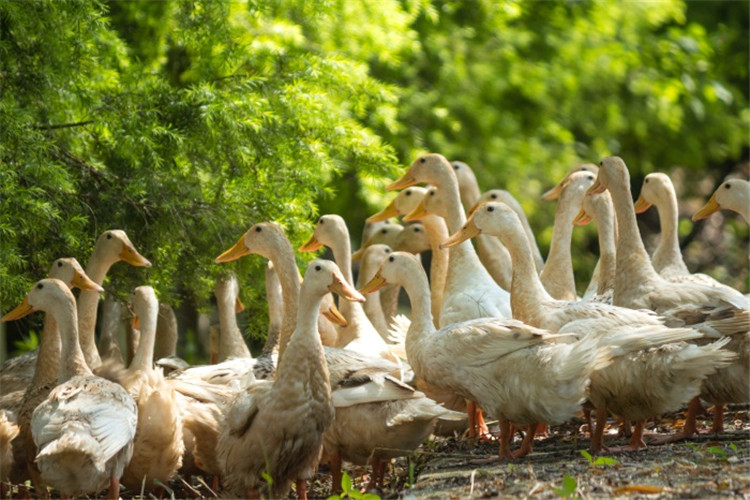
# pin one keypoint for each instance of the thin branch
(63, 125)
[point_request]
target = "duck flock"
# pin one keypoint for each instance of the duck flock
(495, 332)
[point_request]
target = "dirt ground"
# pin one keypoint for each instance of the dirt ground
(707, 466)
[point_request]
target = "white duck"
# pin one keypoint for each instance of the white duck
(470, 292)
(359, 334)
(733, 194)
(85, 428)
(518, 373)
(640, 382)
(158, 445)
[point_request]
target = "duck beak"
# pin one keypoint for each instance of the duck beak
(385, 214)
(582, 218)
(311, 245)
(238, 306)
(23, 309)
(418, 213)
(238, 250)
(342, 288)
(359, 253)
(136, 323)
(376, 283)
(597, 187)
(641, 205)
(710, 207)
(82, 281)
(553, 193)
(404, 182)
(334, 316)
(473, 209)
(130, 255)
(469, 230)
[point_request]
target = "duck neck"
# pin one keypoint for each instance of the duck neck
(422, 324)
(526, 291)
(342, 255)
(633, 262)
(286, 269)
(304, 357)
(607, 228)
(72, 361)
(144, 354)
(231, 343)
(470, 193)
(437, 232)
(557, 273)
(668, 250)
(274, 296)
(88, 302)
(372, 305)
(165, 344)
(48, 360)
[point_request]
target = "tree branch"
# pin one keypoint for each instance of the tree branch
(63, 125)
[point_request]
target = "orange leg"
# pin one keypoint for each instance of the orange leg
(542, 430)
(597, 437)
(114, 488)
(336, 475)
(718, 422)
(504, 452)
(302, 489)
(625, 430)
(526, 444)
(253, 493)
(636, 439)
(471, 415)
(689, 428)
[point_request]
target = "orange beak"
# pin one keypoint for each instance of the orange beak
(385, 214)
(311, 245)
(553, 193)
(130, 255)
(710, 207)
(597, 187)
(238, 250)
(418, 213)
(376, 283)
(23, 309)
(334, 316)
(82, 281)
(468, 230)
(238, 306)
(582, 218)
(641, 205)
(342, 288)
(404, 182)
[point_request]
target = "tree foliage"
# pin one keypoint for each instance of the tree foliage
(183, 122)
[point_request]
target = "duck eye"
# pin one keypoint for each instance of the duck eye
(258, 229)
(408, 193)
(109, 236)
(432, 193)
(423, 160)
(601, 163)
(391, 258)
(490, 209)
(387, 250)
(416, 229)
(591, 178)
(493, 196)
(318, 268)
(727, 185)
(321, 221)
(40, 286)
(383, 231)
(456, 167)
(646, 181)
(59, 264)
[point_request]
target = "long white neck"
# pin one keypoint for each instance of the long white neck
(437, 232)
(372, 307)
(342, 255)
(72, 361)
(286, 269)
(557, 273)
(607, 227)
(668, 252)
(274, 296)
(165, 344)
(144, 354)
(48, 360)
(231, 343)
(88, 301)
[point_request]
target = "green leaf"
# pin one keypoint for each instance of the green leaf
(346, 483)
(605, 461)
(370, 496)
(587, 456)
(733, 446)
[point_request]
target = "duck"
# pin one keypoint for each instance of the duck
(518, 373)
(369, 261)
(275, 428)
(637, 285)
(405, 202)
(111, 320)
(44, 380)
(8, 432)
(374, 402)
(470, 291)
(165, 345)
(158, 446)
(732, 194)
(111, 247)
(657, 190)
(359, 335)
(493, 255)
(84, 430)
(646, 354)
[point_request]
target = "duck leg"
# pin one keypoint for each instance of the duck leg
(377, 471)
(542, 430)
(528, 441)
(477, 426)
(114, 488)
(504, 453)
(689, 428)
(335, 464)
(302, 489)
(636, 440)
(625, 430)
(718, 421)
(597, 436)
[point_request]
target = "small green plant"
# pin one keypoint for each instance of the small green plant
(26, 344)
(719, 452)
(604, 461)
(569, 487)
(349, 491)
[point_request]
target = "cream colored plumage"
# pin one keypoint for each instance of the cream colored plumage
(470, 292)
(85, 428)
(646, 355)
(733, 194)
(158, 445)
(516, 372)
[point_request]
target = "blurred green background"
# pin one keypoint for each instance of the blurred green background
(184, 122)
